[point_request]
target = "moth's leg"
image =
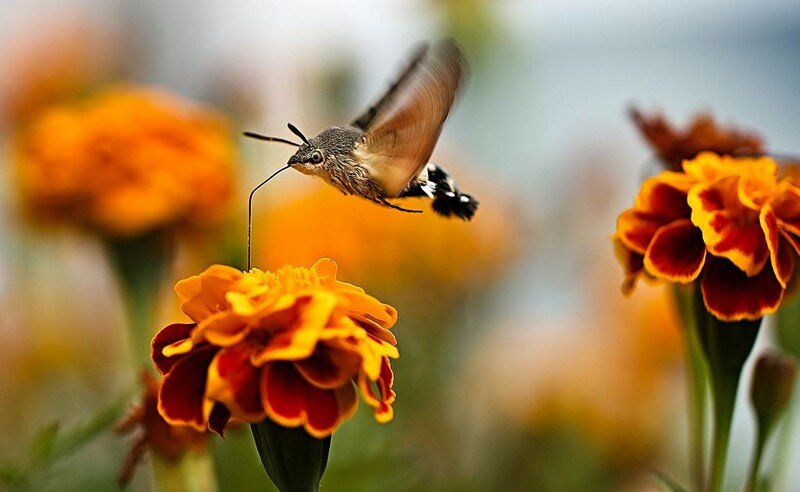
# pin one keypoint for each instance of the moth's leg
(389, 204)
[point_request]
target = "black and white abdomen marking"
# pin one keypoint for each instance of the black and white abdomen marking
(435, 183)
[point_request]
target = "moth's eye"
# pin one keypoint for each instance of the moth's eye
(316, 157)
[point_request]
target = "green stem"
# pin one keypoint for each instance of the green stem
(785, 441)
(724, 402)
(193, 473)
(697, 381)
(140, 264)
(758, 452)
(727, 346)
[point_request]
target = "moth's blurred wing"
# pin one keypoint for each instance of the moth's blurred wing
(399, 138)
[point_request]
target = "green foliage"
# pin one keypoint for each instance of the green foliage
(52, 446)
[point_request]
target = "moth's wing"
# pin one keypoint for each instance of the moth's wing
(400, 137)
(364, 120)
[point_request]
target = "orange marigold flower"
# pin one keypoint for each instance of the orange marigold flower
(126, 161)
(729, 222)
(673, 145)
(290, 346)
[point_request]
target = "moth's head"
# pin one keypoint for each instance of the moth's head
(308, 158)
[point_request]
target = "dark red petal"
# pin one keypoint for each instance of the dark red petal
(167, 336)
(636, 229)
(182, 394)
(219, 418)
(234, 381)
(329, 368)
(676, 253)
(291, 401)
(667, 201)
(731, 295)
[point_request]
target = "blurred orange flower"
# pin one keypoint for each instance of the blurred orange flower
(445, 256)
(673, 146)
(153, 432)
(126, 161)
(730, 218)
(290, 346)
(55, 61)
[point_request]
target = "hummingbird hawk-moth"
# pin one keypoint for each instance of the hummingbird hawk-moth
(383, 154)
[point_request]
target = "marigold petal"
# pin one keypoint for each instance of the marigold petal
(786, 204)
(743, 244)
(204, 294)
(381, 402)
(730, 295)
(326, 268)
(364, 305)
(234, 381)
(223, 329)
(676, 253)
(636, 229)
(329, 368)
(780, 249)
(664, 196)
(218, 419)
(632, 264)
(729, 229)
(291, 401)
(168, 335)
(299, 339)
(182, 395)
(376, 330)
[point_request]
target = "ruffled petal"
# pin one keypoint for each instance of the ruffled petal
(381, 401)
(364, 305)
(780, 249)
(223, 329)
(204, 294)
(291, 401)
(234, 381)
(676, 253)
(730, 230)
(664, 196)
(632, 264)
(169, 335)
(218, 419)
(329, 368)
(730, 295)
(182, 396)
(299, 339)
(786, 204)
(636, 229)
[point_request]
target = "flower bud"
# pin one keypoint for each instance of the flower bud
(294, 460)
(773, 381)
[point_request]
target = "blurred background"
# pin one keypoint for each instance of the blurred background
(522, 367)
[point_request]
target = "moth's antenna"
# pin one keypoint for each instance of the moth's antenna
(297, 132)
(250, 209)
(258, 136)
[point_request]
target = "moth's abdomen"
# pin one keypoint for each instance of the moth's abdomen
(448, 201)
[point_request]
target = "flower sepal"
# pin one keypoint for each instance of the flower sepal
(294, 460)
(726, 346)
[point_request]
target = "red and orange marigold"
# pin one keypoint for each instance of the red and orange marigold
(727, 222)
(290, 345)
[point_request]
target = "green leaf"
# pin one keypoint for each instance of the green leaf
(73, 440)
(13, 477)
(43, 443)
(666, 482)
